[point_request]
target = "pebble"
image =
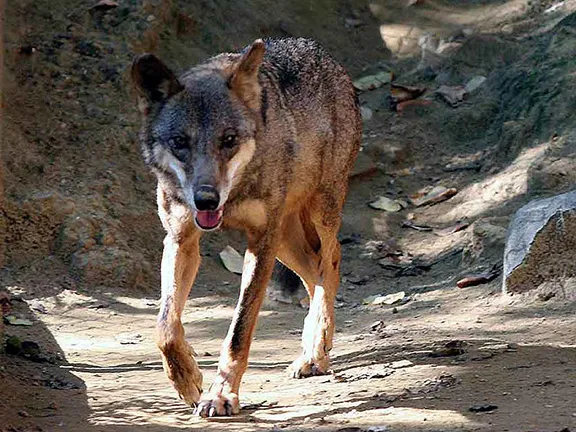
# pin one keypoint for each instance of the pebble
(386, 204)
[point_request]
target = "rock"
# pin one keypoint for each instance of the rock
(386, 204)
(474, 84)
(232, 260)
(432, 196)
(366, 113)
(453, 95)
(372, 82)
(15, 321)
(540, 243)
(401, 364)
(37, 306)
(390, 299)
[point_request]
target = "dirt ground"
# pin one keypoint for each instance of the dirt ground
(83, 240)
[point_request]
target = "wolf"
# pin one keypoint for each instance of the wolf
(259, 141)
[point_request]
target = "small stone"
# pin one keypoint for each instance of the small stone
(386, 204)
(23, 413)
(453, 95)
(366, 113)
(232, 260)
(474, 84)
(401, 364)
(372, 82)
(389, 299)
(15, 321)
(35, 305)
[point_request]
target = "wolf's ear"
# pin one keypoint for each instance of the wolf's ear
(244, 77)
(153, 80)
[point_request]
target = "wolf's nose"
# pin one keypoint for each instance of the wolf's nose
(206, 198)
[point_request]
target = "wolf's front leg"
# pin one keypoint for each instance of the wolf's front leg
(180, 262)
(222, 398)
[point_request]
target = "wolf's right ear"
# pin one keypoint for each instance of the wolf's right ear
(153, 80)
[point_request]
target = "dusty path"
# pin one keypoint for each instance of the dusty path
(396, 374)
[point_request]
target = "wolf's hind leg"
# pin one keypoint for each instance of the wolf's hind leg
(313, 252)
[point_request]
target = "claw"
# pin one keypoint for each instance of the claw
(218, 405)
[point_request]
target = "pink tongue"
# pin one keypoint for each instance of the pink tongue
(208, 219)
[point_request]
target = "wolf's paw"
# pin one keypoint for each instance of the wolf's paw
(305, 367)
(184, 374)
(189, 391)
(223, 404)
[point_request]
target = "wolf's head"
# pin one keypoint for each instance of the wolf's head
(200, 128)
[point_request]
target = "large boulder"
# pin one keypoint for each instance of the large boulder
(541, 244)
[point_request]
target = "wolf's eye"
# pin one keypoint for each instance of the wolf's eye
(229, 139)
(178, 143)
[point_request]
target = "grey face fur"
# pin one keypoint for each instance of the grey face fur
(199, 129)
(198, 132)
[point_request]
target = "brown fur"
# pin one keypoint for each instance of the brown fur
(283, 183)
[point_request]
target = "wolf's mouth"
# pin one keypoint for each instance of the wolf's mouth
(208, 220)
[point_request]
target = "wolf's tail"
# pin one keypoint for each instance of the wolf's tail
(285, 280)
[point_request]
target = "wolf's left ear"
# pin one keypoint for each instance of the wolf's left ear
(154, 81)
(244, 77)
